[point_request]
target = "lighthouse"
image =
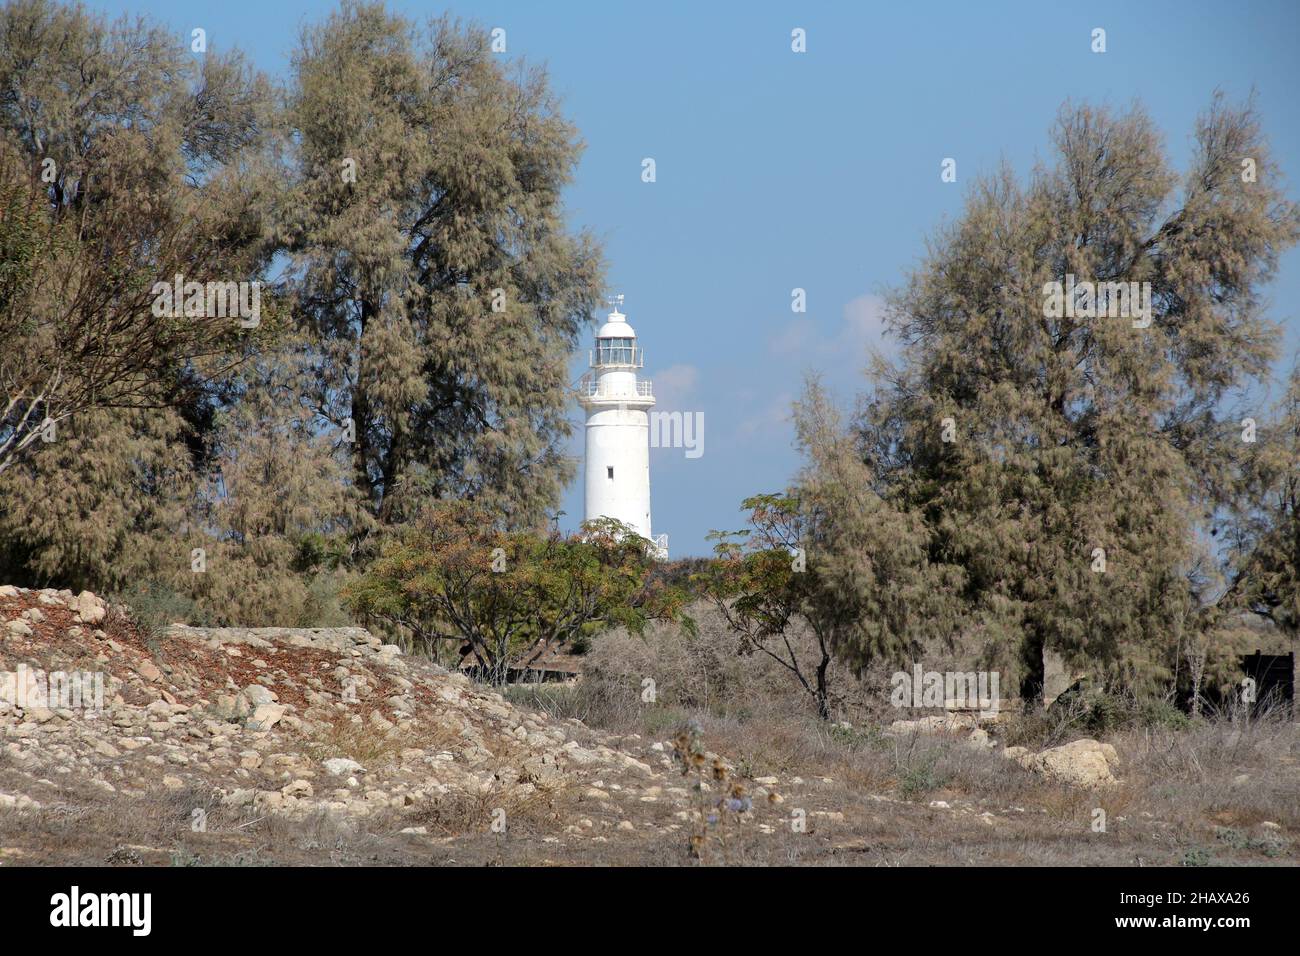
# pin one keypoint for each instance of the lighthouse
(617, 404)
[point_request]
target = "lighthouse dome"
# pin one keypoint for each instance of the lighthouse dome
(616, 327)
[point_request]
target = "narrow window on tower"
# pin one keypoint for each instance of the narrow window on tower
(609, 470)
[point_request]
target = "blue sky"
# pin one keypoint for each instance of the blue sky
(820, 170)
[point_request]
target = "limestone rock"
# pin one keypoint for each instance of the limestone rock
(542, 769)
(149, 671)
(266, 716)
(1081, 763)
(231, 707)
(17, 801)
(338, 766)
(1021, 755)
(299, 788)
(934, 724)
(257, 695)
(18, 629)
(90, 609)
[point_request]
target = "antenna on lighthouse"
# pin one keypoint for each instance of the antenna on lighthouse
(615, 301)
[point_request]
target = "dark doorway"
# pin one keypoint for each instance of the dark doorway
(1274, 677)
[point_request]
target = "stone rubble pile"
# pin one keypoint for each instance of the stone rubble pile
(275, 719)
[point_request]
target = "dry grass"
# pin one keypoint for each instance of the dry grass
(1182, 798)
(349, 736)
(464, 813)
(1228, 772)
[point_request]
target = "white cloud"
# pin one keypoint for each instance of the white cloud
(771, 421)
(861, 328)
(794, 338)
(840, 352)
(864, 319)
(675, 384)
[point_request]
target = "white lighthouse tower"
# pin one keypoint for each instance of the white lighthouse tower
(617, 471)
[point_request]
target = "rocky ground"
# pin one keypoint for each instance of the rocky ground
(327, 746)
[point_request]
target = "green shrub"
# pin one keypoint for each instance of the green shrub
(1101, 712)
(660, 721)
(856, 738)
(1269, 845)
(1162, 713)
(917, 779)
(153, 606)
(323, 606)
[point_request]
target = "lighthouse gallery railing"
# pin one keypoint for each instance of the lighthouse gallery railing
(593, 389)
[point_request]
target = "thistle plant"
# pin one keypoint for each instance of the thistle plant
(716, 821)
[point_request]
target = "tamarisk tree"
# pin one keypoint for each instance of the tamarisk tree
(1265, 529)
(432, 261)
(123, 163)
(832, 556)
(1057, 414)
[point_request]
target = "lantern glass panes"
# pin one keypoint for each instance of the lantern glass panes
(613, 351)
